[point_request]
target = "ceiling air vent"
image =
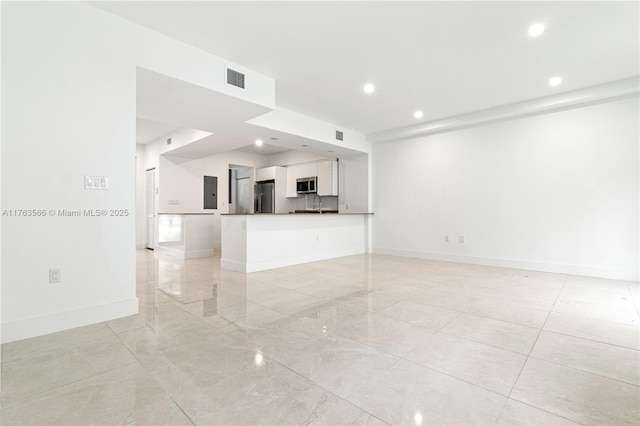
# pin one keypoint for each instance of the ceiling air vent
(339, 135)
(235, 78)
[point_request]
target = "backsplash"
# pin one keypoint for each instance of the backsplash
(306, 202)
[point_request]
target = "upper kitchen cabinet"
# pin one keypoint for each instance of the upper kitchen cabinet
(328, 178)
(270, 173)
(296, 172)
(326, 172)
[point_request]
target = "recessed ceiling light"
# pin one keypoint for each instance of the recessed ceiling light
(418, 114)
(536, 29)
(259, 142)
(369, 88)
(555, 81)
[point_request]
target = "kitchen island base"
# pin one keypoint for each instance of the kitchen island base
(252, 243)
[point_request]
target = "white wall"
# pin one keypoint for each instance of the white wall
(556, 192)
(354, 184)
(69, 110)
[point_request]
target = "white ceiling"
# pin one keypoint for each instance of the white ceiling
(163, 102)
(149, 130)
(445, 58)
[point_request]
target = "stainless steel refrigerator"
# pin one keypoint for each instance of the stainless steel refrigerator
(265, 196)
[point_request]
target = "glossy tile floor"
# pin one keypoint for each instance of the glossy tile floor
(358, 340)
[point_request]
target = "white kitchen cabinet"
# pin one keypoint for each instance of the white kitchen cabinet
(267, 173)
(292, 175)
(307, 170)
(299, 171)
(328, 178)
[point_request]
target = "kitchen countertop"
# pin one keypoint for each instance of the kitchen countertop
(333, 213)
(187, 214)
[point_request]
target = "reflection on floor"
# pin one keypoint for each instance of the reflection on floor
(367, 339)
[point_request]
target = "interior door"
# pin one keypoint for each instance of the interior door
(151, 193)
(244, 195)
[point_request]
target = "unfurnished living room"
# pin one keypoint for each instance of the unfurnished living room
(320, 212)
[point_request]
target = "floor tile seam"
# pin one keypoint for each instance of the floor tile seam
(514, 303)
(41, 395)
(345, 399)
(400, 298)
(200, 319)
(630, 303)
(390, 306)
(553, 311)
(506, 322)
(132, 354)
(502, 319)
(177, 405)
(366, 379)
(382, 350)
(88, 360)
(310, 380)
(475, 385)
(481, 343)
(421, 326)
(150, 377)
(49, 351)
(537, 338)
(585, 371)
(528, 404)
(594, 341)
(437, 306)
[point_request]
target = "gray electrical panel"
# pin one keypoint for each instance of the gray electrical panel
(210, 192)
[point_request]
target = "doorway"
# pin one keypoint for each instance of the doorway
(240, 189)
(151, 192)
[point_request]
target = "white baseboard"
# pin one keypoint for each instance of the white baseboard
(529, 265)
(281, 263)
(233, 265)
(38, 326)
(181, 254)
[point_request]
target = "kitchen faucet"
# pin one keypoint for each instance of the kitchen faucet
(319, 204)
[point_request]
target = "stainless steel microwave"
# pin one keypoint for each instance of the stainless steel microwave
(307, 185)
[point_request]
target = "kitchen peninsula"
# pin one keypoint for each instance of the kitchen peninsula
(185, 235)
(256, 242)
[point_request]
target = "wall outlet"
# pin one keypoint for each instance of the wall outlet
(446, 238)
(346, 206)
(55, 276)
(461, 239)
(317, 237)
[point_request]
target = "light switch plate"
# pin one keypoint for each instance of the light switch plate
(96, 182)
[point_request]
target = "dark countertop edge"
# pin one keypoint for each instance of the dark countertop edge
(293, 214)
(187, 214)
